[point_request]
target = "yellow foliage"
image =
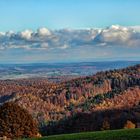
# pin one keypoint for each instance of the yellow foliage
(129, 125)
(38, 135)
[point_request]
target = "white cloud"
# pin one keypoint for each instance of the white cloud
(65, 46)
(136, 28)
(115, 33)
(44, 32)
(27, 34)
(9, 33)
(2, 34)
(119, 35)
(44, 45)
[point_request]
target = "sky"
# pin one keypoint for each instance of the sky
(55, 14)
(69, 30)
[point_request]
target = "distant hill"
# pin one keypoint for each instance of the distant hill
(59, 71)
(115, 91)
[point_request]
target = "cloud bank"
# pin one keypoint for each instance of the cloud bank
(44, 38)
(82, 43)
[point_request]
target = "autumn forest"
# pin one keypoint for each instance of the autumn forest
(109, 99)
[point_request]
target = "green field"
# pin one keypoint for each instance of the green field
(124, 134)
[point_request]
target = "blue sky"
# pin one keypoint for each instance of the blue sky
(55, 14)
(69, 30)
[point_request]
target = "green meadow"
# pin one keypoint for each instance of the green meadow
(124, 134)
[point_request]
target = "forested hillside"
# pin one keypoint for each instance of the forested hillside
(114, 90)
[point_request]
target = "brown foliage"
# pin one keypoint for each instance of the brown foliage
(16, 122)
